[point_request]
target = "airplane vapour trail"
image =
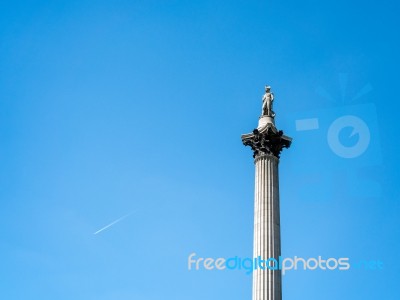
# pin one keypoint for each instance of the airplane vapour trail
(113, 223)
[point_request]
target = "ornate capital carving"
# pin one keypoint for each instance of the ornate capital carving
(266, 141)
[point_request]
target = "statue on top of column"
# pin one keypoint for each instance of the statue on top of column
(267, 99)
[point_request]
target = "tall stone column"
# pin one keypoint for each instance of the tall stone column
(267, 142)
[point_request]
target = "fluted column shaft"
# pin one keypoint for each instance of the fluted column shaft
(267, 284)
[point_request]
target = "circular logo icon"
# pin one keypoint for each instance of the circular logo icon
(359, 127)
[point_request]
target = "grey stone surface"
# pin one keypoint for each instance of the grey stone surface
(266, 283)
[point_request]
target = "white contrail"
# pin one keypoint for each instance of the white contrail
(112, 223)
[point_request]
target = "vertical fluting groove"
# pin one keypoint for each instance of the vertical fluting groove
(277, 275)
(270, 241)
(273, 224)
(259, 277)
(277, 232)
(265, 211)
(260, 203)
(265, 225)
(255, 292)
(260, 237)
(273, 196)
(262, 225)
(278, 218)
(268, 221)
(264, 229)
(255, 222)
(259, 228)
(256, 230)
(265, 275)
(261, 248)
(259, 220)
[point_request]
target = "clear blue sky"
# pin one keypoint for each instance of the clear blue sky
(116, 107)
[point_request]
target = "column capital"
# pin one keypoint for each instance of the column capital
(266, 140)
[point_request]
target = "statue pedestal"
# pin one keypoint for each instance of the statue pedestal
(264, 120)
